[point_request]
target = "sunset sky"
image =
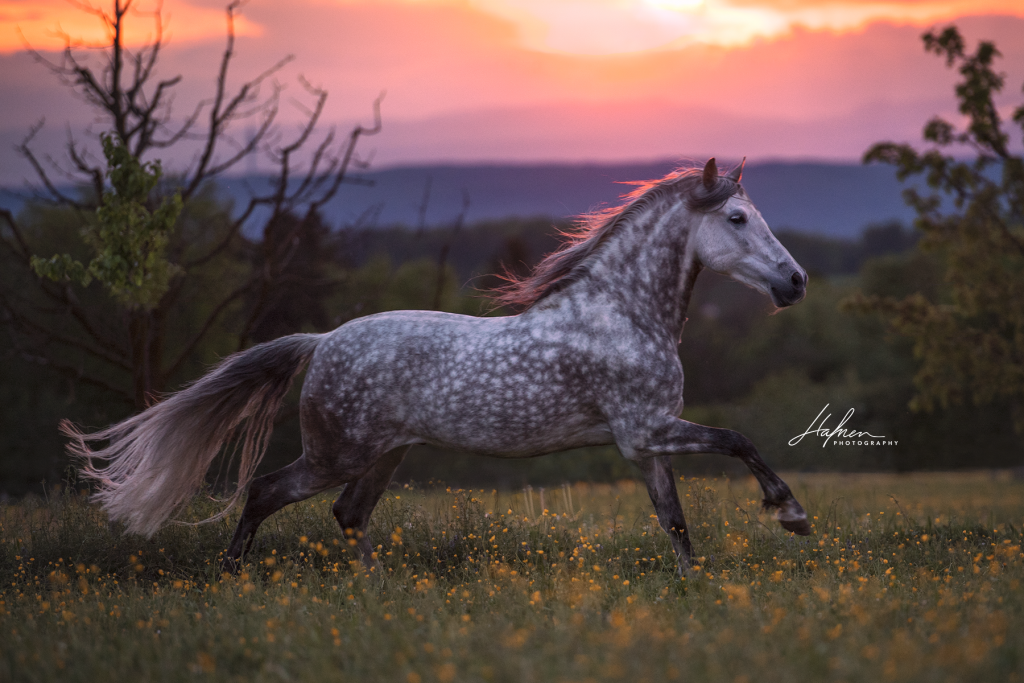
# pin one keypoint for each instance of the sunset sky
(553, 80)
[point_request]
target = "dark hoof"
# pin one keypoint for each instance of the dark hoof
(793, 518)
(683, 568)
(799, 527)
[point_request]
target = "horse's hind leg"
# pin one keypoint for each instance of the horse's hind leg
(661, 485)
(355, 504)
(267, 495)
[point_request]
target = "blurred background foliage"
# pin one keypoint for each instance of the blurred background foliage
(880, 310)
(765, 375)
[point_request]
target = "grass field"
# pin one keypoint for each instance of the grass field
(906, 578)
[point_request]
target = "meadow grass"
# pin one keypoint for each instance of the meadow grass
(906, 578)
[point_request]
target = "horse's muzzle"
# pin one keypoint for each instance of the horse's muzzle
(787, 293)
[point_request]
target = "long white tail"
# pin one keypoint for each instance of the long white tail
(155, 461)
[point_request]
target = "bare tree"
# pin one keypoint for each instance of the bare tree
(129, 351)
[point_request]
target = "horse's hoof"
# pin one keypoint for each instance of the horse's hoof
(684, 567)
(793, 518)
(686, 573)
(798, 527)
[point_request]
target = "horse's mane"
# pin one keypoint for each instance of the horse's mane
(564, 265)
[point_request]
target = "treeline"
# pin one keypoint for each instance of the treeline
(765, 375)
(134, 284)
(488, 247)
(768, 376)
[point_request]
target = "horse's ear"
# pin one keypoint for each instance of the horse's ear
(710, 176)
(737, 173)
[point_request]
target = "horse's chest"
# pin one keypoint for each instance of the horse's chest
(655, 381)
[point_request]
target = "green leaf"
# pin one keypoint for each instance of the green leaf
(970, 343)
(129, 241)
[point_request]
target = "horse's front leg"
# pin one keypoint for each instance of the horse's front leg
(670, 436)
(661, 485)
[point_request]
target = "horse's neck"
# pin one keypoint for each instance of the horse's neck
(648, 268)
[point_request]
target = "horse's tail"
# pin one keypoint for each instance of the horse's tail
(155, 461)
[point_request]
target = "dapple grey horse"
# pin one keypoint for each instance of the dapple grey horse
(592, 360)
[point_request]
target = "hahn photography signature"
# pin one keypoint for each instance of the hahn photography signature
(841, 436)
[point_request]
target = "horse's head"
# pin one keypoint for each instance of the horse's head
(733, 239)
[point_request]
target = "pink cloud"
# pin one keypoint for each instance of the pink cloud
(461, 86)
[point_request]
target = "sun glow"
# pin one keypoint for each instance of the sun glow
(587, 27)
(677, 5)
(617, 26)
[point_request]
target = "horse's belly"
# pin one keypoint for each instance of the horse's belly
(516, 437)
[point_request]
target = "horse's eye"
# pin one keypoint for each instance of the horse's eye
(738, 218)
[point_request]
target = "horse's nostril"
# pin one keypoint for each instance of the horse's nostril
(797, 279)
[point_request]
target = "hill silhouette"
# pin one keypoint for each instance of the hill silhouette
(829, 199)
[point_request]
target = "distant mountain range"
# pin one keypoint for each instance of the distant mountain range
(830, 199)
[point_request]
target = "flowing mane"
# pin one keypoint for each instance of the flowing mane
(564, 265)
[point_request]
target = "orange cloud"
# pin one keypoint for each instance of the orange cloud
(616, 26)
(842, 15)
(47, 24)
(463, 82)
(592, 27)
(961, 6)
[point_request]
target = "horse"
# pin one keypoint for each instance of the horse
(590, 360)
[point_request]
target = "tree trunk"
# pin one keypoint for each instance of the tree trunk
(140, 328)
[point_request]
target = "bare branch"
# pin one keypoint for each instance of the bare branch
(23, 252)
(146, 60)
(41, 173)
(64, 297)
(191, 345)
(89, 9)
(357, 133)
(124, 88)
(74, 307)
(219, 116)
(270, 114)
(78, 373)
(182, 131)
(93, 172)
(34, 327)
